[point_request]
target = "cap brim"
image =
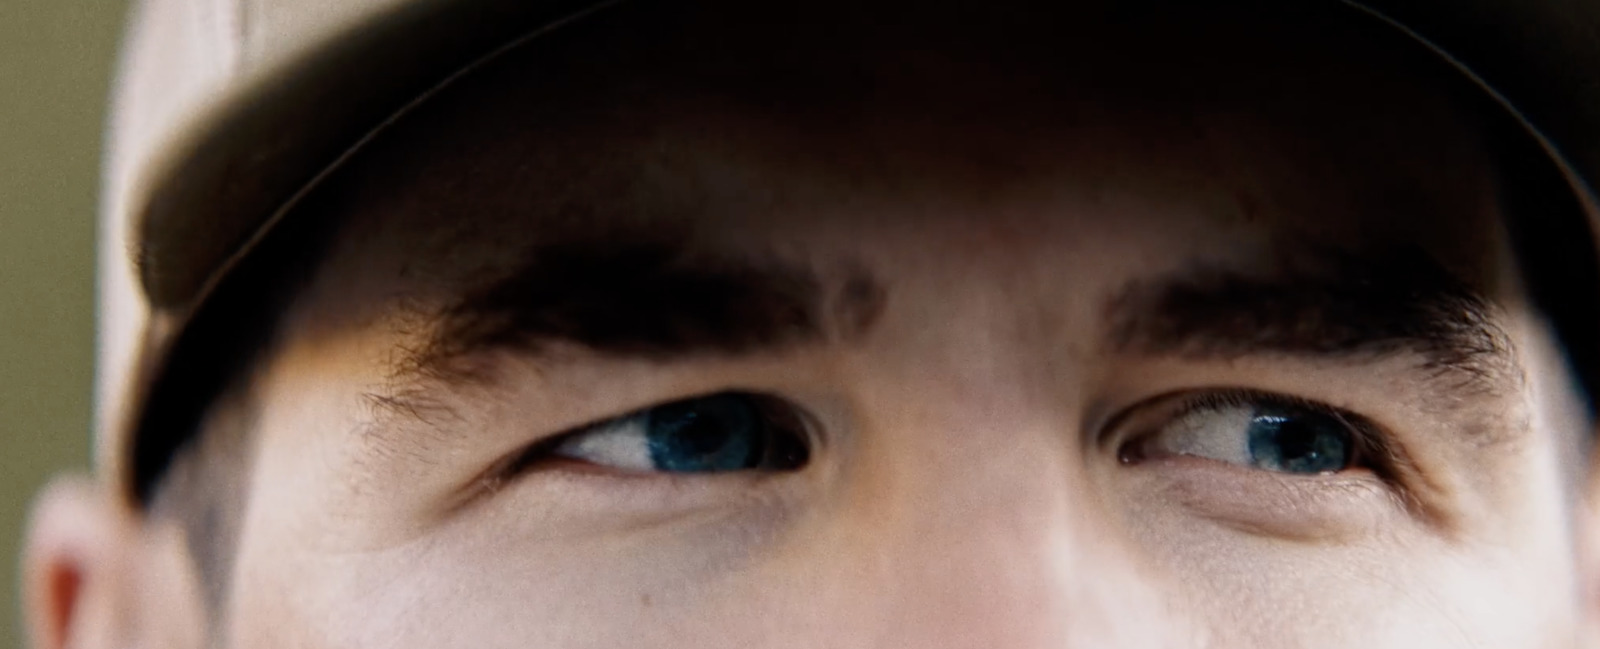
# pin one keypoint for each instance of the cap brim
(247, 160)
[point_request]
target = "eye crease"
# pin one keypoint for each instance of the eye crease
(717, 433)
(1256, 430)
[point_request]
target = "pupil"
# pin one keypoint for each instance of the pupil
(717, 433)
(1298, 442)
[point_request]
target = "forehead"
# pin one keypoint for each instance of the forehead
(1236, 130)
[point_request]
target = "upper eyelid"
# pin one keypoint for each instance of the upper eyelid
(802, 423)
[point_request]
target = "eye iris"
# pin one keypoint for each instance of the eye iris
(718, 433)
(1298, 442)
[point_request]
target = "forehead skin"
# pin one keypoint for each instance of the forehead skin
(1000, 191)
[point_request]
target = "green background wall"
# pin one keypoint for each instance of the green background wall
(55, 63)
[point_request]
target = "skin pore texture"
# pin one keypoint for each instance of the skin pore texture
(988, 284)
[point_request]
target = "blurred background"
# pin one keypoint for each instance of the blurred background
(55, 69)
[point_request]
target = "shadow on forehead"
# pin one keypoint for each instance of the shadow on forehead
(616, 127)
(620, 114)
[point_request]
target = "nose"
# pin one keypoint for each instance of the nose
(985, 527)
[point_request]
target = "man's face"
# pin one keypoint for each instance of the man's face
(913, 347)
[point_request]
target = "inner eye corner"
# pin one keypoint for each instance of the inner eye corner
(1128, 451)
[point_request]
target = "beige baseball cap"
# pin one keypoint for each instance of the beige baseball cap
(227, 111)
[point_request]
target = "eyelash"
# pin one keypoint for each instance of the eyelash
(779, 412)
(1373, 449)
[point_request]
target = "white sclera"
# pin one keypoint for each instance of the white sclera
(620, 444)
(1219, 433)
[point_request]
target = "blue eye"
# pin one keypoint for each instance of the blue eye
(717, 433)
(1291, 441)
(1260, 431)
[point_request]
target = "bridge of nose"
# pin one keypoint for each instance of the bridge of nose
(971, 514)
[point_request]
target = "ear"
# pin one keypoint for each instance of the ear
(96, 576)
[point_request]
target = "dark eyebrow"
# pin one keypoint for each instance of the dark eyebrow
(1327, 304)
(656, 299)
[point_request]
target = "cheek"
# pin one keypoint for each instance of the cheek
(958, 524)
(830, 579)
(987, 545)
(1376, 578)
(963, 518)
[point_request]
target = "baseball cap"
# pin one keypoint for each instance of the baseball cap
(226, 112)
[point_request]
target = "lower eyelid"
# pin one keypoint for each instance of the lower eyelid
(580, 486)
(1320, 508)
